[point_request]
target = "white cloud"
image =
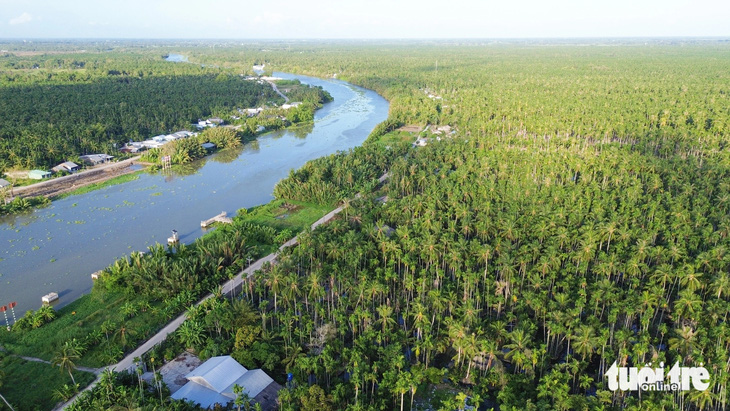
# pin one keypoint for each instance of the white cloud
(23, 18)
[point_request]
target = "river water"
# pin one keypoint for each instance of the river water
(56, 249)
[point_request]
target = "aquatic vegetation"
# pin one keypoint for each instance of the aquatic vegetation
(22, 204)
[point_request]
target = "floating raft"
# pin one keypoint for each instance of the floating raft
(220, 218)
(50, 297)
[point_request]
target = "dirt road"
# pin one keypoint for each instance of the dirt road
(60, 185)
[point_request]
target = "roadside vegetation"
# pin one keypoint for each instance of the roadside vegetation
(577, 215)
(29, 385)
(139, 294)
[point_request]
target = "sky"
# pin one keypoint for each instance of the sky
(362, 19)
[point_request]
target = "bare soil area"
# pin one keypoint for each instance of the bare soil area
(411, 128)
(61, 185)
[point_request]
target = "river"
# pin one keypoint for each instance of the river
(56, 249)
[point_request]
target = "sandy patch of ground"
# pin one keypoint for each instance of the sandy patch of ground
(411, 128)
(174, 372)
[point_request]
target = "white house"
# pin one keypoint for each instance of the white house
(213, 381)
(287, 106)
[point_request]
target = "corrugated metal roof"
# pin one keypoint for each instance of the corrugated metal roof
(213, 381)
(4, 183)
(199, 395)
(38, 174)
(217, 373)
(253, 382)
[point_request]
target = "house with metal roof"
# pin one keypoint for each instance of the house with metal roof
(39, 174)
(4, 183)
(68, 166)
(94, 159)
(213, 381)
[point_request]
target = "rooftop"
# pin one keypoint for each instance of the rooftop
(213, 382)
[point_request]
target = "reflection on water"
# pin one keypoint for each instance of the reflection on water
(227, 155)
(55, 249)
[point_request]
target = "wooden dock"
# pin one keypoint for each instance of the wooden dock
(220, 218)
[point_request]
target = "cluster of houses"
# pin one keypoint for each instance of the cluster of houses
(211, 122)
(436, 131)
(155, 142)
(431, 95)
(70, 166)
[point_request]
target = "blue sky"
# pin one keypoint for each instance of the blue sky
(291, 19)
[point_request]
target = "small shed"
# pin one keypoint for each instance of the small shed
(209, 146)
(4, 183)
(39, 174)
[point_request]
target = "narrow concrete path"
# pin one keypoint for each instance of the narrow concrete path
(127, 363)
(276, 89)
(95, 371)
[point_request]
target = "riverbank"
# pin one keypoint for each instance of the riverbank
(229, 288)
(61, 185)
(57, 248)
(103, 320)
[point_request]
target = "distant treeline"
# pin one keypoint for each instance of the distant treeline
(42, 125)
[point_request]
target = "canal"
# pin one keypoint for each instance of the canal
(56, 249)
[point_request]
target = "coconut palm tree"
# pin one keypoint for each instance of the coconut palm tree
(66, 358)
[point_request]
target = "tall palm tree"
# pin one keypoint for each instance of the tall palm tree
(66, 358)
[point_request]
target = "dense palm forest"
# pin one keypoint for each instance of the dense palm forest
(577, 216)
(46, 124)
(55, 108)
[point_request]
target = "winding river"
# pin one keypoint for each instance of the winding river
(55, 249)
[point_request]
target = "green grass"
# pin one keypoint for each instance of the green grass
(86, 314)
(397, 136)
(79, 319)
(30, 385)
(20, 182)
(96, 186)
(277, 216)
